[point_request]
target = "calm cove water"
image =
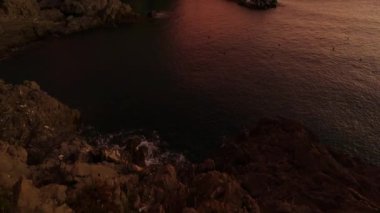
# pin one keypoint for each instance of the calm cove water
(214, 67)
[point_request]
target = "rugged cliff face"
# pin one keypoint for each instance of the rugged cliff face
(22, 21)
(279, 166)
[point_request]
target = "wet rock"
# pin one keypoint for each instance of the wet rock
(114, 154)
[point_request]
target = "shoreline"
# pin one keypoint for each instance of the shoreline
(277, 166)
(48, 165)
(24, 23)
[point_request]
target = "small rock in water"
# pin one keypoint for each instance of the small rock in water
(259, 4)
(157, 15)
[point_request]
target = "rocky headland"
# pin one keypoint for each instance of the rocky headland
(47, 165)
(24, 21)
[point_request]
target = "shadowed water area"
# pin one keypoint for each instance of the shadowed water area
(214, 67)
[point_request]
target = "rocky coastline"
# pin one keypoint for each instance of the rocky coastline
(47, 165)
(25, 21)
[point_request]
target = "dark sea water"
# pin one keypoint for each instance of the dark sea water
(214, 67)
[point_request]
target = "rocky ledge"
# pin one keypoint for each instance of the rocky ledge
(23, 21)
(46, 165)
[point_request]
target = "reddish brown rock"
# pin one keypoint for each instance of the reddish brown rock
(281, 162)
(30, 117)
(219, 192)
(12, 165)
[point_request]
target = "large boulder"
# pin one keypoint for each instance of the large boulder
(31, 118)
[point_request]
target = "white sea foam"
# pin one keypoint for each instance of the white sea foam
(151, 157)
(153, 152)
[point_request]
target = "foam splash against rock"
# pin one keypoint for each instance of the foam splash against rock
(144, 149)
(150, 151)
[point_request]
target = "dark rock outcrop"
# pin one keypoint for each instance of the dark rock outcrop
(279, 166)
(283, 165)
(31, 118)
(106, 10)
(258, 4)
(23, 21)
